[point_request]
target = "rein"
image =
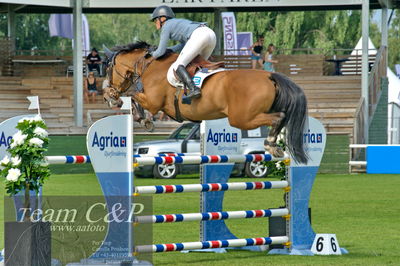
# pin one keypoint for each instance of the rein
(134, 77)
(131, 77)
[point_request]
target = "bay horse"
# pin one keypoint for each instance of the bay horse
(249, 98)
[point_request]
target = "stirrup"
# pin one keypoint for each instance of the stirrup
(186, 100)
(194, 93)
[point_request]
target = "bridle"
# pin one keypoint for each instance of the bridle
(130, 78)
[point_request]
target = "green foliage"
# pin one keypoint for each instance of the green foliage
(312, 29)
(393, 40)
(327, 30)
(277, 169)
(27, 168)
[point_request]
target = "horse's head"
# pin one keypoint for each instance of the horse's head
(125, 68)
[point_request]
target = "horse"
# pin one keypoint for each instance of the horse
(249, 98)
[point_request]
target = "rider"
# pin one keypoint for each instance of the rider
(195, 39)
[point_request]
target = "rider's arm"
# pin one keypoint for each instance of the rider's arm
(162, 45)
(177, 47)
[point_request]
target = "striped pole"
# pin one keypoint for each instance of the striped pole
(259, 241)
(165, 154)
(163, 189)
(239, 158)
(69, 159)
(209, 216)
(168, 158)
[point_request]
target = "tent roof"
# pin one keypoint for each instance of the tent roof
(140, 6)
(358, 49)
(394, 87)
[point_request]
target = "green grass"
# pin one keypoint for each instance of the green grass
(362, 210)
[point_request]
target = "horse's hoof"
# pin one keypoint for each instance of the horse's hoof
(275, 151)
(148, 125)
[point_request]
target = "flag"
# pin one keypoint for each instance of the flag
(230, 38)
(34, 100)
(126, 103)
(62, 25)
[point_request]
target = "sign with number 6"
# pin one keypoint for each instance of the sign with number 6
(326, 244)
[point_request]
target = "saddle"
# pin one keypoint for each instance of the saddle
(199, 62)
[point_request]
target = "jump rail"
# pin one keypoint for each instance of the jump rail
(164, 189)
(259, 241)
(177, 158)
(209, 216)
(208, 159)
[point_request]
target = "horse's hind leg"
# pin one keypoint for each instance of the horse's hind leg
(273, 119)
(270, 142)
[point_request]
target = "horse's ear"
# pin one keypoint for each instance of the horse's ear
(110, 54)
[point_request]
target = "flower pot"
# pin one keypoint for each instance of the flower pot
(27, 243)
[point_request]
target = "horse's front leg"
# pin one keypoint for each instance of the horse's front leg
(143, 100)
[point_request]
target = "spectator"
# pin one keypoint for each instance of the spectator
(268, 61)
(90, 88)
(256, 49)
(93, 60)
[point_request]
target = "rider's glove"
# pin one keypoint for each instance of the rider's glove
(150, 50)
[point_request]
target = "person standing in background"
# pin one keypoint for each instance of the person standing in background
(256, 49)
(268, 61)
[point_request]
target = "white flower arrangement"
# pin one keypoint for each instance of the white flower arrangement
(18, 139)
(40, 132)
(13, 174)
(19, 173)
(36, 142)
(15, 161)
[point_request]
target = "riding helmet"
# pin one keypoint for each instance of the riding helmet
(162, 11)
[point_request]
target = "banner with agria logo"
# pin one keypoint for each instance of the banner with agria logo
(301, 180)
(7, 130)
(220, 137)
(108, 142)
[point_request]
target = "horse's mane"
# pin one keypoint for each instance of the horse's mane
(130, 47)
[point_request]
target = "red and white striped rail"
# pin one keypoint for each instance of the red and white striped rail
(163, 189)
(239, 158)
(259, 241)
(173, 158)
(68, 159)
(209, 216)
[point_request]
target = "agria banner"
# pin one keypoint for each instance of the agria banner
(109, 143)
(7, 130)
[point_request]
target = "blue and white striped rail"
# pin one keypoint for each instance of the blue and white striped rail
(163, 189)
(259, 241)
(209, 216)
(69, 159)
(240, 158)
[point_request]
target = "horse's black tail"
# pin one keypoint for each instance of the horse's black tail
(291, 100)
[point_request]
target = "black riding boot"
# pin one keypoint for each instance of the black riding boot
(183, 75)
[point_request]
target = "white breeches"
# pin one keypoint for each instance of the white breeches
(201, 42)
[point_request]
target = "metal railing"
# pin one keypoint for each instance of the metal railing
(375, 80)
(377, 71)
(358, 132)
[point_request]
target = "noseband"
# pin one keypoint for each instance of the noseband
(130, 78)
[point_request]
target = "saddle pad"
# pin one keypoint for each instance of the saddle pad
(202, 74)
